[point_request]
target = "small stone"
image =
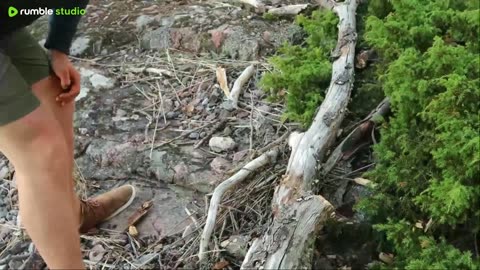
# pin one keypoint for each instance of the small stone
(121, 113)
(203, 134)
(14, 264)
(4, 172)
(194, 135)
(221, 144)
(227, 131)
(220, 165)
(86, 73)
(79, 46)
(83, 93)
(143, 21)
(171, 115)
(96, 253)
(227, 105)
(181, 171)
(217, 38)
(236, 245)
(83, 131)
(240, 155)
(99, 81)
(197, 154)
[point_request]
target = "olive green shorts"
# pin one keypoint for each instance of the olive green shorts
(22, 63)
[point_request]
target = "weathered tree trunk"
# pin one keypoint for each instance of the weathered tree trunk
(298, 215)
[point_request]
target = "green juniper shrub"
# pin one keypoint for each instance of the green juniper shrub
(302, 73)
(428, 158)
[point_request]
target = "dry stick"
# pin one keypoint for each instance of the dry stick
(253, 3)
(288, 10)
(173, 67)
(239, 83)
(297, 215)
(180, 136)
(157, 71)
(251, 128)
(222, 188)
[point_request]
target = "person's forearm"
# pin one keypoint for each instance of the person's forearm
(63, 28)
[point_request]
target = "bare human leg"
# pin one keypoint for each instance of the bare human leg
(46, 91)
(38, 150)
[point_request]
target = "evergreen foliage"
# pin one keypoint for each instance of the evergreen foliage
(428, 160)
(302, 73)
(426, 203)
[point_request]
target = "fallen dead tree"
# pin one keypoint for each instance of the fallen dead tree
(297, 214)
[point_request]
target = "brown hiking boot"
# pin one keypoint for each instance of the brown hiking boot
(96, 210)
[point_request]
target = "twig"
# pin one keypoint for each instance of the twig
(103, 264)
(239, 83)
(180, 136)
(173, 67)
(195, 221)
(161, 103)
(222, 188)
(156, 120)
(288, 10)
(132, 243)
(251, 127)
(106, 260)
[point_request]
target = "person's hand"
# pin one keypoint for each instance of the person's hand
(68, 75)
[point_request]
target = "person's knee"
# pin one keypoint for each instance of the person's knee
(36, 140)
(49, 149)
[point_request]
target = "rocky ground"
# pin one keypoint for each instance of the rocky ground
(151, 112)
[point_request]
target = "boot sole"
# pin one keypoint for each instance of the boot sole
(127, 204)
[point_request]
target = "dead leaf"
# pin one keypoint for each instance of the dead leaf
(363, 58)
(222, 80)
(220, 265)
(150, 8)
(96, 253)
(142, 211)
(419, 224)
(363, 181)
(132, 230)
(386, 257)
(429, 225)
(189, 109)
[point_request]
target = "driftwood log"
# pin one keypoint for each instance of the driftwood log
(297, 214)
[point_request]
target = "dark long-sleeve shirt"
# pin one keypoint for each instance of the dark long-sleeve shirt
(62, 28)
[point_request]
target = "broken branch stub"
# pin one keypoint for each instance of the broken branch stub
(288, 10)
(238, 85)
(297, 215)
